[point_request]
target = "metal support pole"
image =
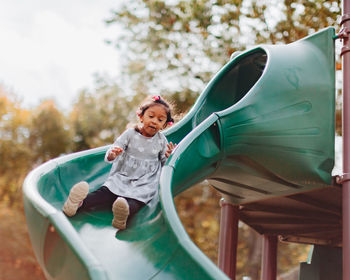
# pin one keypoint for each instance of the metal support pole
(269, 258)
(228, 238)
(345, 53)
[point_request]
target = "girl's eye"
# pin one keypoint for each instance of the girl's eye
(160, 120)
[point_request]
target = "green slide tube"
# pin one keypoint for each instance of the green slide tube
(263, 127)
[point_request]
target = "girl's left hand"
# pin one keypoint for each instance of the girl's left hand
(170, 149)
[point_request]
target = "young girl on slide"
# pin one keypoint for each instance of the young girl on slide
(137, 157)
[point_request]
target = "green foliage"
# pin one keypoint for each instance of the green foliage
(170, 48)
(175, 47)
(297, 20)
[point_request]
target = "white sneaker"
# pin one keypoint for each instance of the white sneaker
(121, 212)
(75, 198)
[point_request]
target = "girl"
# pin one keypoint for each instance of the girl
(137, 157)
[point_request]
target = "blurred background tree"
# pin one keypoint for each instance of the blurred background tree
(15, 153)
(49, 135)
(171, 48)
(175, 47)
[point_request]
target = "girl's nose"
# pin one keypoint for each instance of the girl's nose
(154, 123)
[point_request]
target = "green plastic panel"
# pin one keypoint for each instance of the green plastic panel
(325, 263)
(284, 126)
(264, 126)
(278, 136)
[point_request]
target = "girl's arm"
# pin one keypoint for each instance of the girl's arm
(114, 152)
(118, 147)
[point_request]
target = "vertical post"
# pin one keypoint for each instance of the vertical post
(269, 258)
(345, 53)
(228, 238)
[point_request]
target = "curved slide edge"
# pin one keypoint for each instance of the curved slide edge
(45, 220)
(86, 247)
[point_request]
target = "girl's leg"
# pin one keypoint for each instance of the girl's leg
(124, 208)
(100, 199)
(76, 196)
(134, 206)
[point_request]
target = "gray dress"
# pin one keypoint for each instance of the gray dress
(135, 172)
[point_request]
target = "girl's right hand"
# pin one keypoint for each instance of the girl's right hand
(114, 152)
(170, 149)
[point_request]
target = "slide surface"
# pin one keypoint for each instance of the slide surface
(263, 127)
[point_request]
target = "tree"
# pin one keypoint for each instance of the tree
(49, 135)
(175, 47)
(15, 156)
(303, 18)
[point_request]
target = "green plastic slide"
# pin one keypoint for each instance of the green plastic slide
(263, 127)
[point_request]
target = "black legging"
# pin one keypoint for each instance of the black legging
(103, 198)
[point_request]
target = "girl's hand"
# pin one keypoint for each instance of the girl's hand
(114, 152)
(170, 149)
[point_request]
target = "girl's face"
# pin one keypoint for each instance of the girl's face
(153, 120)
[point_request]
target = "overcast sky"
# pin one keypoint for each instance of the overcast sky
(52, 48)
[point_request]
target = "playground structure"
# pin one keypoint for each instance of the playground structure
(262, 134)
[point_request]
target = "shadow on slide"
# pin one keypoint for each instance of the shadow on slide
(263, 127)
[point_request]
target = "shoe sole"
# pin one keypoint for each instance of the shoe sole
(121, 213)
(76, 195)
